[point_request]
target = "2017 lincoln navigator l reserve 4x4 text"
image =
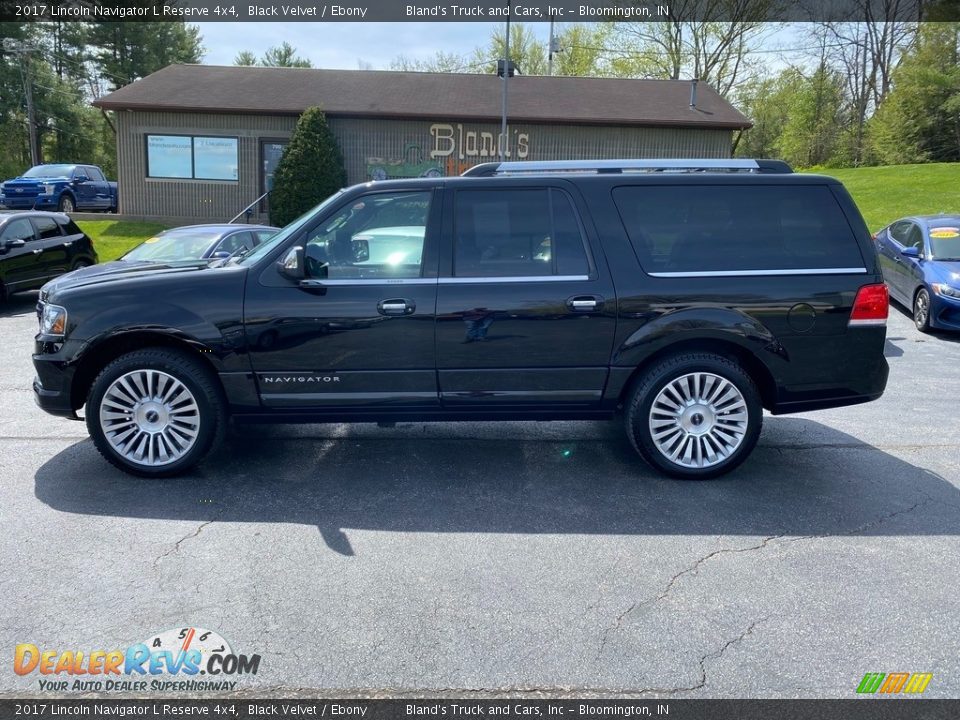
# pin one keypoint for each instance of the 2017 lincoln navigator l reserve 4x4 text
(685, 296)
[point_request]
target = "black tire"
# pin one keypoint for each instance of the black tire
(921, 310)
(66, 204)
(206, 419)
(721, 434)
(81, 264)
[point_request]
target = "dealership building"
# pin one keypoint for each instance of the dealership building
(201, 142)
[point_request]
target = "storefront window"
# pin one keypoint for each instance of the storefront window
(199, 158)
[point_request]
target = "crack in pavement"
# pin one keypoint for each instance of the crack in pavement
(176, 547)
(640, 604)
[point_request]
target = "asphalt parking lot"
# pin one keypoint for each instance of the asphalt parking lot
(493, 558)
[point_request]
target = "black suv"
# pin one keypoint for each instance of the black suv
(685, 295)
(36, 246)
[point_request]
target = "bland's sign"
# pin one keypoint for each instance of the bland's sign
(453, 140)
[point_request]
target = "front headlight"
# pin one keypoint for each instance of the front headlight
(53, 321)
(947, 290)
(48, 189)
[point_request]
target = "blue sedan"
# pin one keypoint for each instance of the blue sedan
(920, 258)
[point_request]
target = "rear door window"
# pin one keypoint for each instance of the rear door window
(46, 227)
(681, 229)
(518, 233)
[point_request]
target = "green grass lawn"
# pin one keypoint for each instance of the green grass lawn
(112, 238)
(886, 193)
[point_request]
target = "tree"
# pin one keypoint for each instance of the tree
(283, 55)
(718, 53)
(127, 51)
(310, 170)
(246, 58)
(919, 120)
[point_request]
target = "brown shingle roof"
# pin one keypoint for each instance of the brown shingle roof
(372, 93)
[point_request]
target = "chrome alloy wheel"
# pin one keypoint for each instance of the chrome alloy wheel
(698, 420)
(149, 417)
(921, 309)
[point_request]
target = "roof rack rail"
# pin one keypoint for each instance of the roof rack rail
(530, 167)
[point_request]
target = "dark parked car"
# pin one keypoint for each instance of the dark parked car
(38, 246)
(920, 258)
(683, 296)
(63, 186)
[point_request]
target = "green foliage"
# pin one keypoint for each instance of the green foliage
(310, 170)
(127, 51)
(798, 118)
(886, 193)
(919, 120)
(283, 55)
(68, 64)
(113, 238)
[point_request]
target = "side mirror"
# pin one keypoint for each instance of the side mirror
(79, 180)
(15, 243)
(292, 265)
(911, 252)
(361, 249)
(220, 255)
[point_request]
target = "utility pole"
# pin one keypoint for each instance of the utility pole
(506, 76)
(551, 48)
(22, 50)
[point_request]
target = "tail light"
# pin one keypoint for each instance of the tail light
(870, 306)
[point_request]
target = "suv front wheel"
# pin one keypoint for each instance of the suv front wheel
(155, 412)
(694, 415)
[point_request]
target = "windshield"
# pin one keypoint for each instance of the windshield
(945, 240)
(173, 246)
(49, 171)
(290, 229)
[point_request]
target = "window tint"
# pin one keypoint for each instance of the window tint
(233, 243)
(375, 236)
(914, 237)
(95, 174)
(80, 174)
(703, 228)
(520, 233)
(900, 230)
(263, 235)
(17, 230)
(68, 226)
(46, 227)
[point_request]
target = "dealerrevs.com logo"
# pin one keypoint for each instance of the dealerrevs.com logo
(171, 661)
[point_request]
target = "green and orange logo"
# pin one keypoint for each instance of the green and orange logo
(893, 683)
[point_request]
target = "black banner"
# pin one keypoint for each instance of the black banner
(479, 10)
(873, 708)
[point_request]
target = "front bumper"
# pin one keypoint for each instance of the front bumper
(37, 202)
(944, 312)
(53, 385)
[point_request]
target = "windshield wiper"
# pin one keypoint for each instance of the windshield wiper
(235, 255)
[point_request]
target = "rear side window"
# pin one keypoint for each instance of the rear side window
(69, 227)
(520, 233)
(46, 227)
(730, 228)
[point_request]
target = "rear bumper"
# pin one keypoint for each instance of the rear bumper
(868, 385)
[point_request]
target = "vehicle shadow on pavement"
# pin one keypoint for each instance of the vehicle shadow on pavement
(24, 303)
(804, 479)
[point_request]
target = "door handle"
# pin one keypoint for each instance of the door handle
(585, 303)
(396, 306)
(37, 251)
(68, 244)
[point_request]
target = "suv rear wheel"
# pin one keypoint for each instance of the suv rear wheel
(155, 412)
(694, 415)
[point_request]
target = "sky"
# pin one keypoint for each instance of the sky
(370, 45)
(348, 46)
